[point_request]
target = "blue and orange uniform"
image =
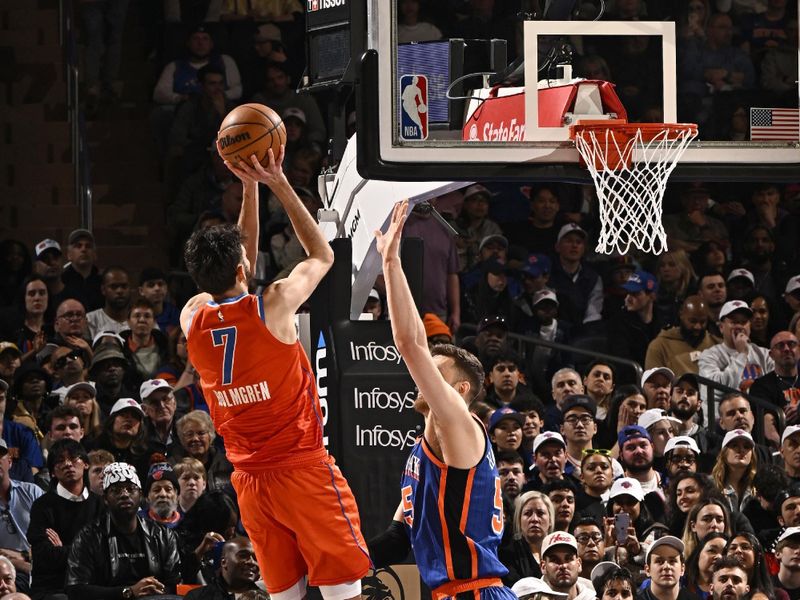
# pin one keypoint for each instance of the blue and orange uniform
(454, 519)
(295, 504)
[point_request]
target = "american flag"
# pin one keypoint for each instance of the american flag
(768, 124)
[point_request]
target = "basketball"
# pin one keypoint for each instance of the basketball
(251, 129)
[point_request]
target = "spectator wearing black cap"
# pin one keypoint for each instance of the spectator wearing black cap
(634, 328)
(491, 247)
(108, 370)
(490, 340)
(153, 286)
(787, 506)
(491, 295)
(20, 442)
(16, 499)
(81, 276)
(58, 515)
(573, 280)
(578, 429)
(161, 491)
(769, 483)
(30, 390)
(113, 315)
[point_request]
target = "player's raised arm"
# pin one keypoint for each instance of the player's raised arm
(460, 436)
(288, 294)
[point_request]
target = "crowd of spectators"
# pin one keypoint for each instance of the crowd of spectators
(96, 385)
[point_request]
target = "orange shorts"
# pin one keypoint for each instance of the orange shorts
(302, 520)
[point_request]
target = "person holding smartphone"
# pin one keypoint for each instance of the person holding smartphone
(627, 518)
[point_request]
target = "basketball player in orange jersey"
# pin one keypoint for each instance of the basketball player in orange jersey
(295, 504)
(451, 504)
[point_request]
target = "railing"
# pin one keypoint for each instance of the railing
(523, 342)
(710, 390)
(75, 117)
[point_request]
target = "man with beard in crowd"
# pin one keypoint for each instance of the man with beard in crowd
(713, 291)
(684, 403)
(161, 490)
(636, 457)
(238, 573)
(679, 348)
(729, 581)
(561, 567)
(511, 469)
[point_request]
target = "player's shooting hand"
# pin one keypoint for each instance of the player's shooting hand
(388, 243)
(255, 172)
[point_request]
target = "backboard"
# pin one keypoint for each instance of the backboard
(733, 74)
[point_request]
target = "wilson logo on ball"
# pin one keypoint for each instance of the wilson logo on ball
(230, 140)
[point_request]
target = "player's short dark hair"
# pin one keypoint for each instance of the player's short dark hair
(60, 412)
(465, 362)
(212, 256)
(728, 561)
(509, 456)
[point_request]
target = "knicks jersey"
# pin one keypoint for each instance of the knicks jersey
(454, 517)
(260, 391)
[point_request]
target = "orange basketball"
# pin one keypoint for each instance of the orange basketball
(251, 129)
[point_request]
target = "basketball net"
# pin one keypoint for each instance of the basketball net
(631, 193)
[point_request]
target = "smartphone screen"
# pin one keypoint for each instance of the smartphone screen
(622, 521)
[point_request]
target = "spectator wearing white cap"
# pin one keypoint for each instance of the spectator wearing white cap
(661, 427)
(791, 295)
(678, 348)
(124, 435)
(682, 454)
(473, 224)
(735, 412)
(788, 553)
(573, 280)
(627, 496)
(735, 362)
(656, 384)
(533, 588)
(735, 467)
(158, 403)
(561, 567)
(790, 451)
(781, 386)
(549, 458)
(740, 284)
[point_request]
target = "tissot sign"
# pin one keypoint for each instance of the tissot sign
(325, 12)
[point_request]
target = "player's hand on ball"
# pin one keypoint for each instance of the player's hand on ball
(389, 243)
(254, 172)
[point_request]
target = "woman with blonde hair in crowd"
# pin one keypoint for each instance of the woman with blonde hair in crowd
(192, 478)
(735, 468)
(534, 518)
(676, 279)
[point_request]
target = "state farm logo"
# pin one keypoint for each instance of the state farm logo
(378, 399)
(375, 353)
(314, 5)
(513, 132)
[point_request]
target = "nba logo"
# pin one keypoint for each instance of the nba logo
(413, 107)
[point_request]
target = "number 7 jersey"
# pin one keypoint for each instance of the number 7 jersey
(454, 517)
(260, 391)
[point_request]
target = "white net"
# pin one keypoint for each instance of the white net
(630, 171)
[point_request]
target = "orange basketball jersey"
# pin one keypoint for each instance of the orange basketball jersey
(260, 391)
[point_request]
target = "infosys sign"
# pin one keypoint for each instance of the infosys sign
(327, 12)
(315, 5)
